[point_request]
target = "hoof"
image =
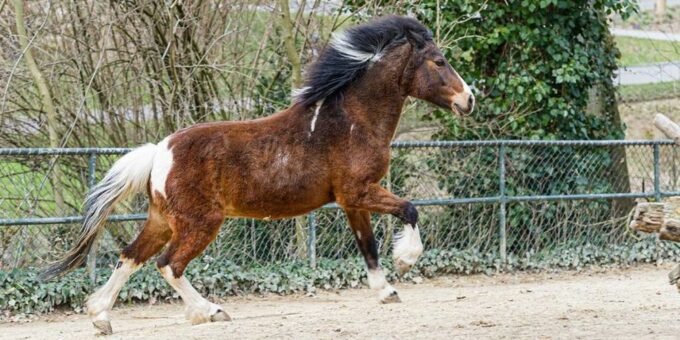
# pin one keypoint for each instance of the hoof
(220, 316)
(103, 326)
(402, 267)
(392, 298)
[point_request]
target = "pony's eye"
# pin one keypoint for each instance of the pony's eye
(440, 62)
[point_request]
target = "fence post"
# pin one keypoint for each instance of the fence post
(311, 239)
(657, 174)
(501, 218)
(91, 256)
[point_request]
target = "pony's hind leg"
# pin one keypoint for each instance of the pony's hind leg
(151, 240)
(191, 236)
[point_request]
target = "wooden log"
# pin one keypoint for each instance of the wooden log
(648, 217)
(670, 231)
(674, 276)
(670, 129)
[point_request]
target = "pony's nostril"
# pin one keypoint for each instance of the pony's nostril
(471, 101)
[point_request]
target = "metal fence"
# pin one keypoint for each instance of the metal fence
(495, 197)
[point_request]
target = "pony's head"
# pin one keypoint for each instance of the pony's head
(432, 78)
(426, 74)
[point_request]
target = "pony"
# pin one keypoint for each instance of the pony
(331, 145)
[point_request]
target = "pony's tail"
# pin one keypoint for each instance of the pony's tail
(129, 175)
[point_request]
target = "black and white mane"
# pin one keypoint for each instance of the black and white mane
(350, 53)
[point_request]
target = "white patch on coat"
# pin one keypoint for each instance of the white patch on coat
(359, 234)
(341, 43)
(101, 301)
(316, 115)
(161, 167)
(407, 246)
(281, 160)
(351, 128)
(198, 309)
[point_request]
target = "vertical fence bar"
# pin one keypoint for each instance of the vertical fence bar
(657, 174)
(91, 256)
(311, 239)
(503, 201)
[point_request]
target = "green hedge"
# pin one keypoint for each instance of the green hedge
(22, 293)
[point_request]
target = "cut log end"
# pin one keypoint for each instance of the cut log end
(648, 217)
(668, 127)
(670, 231)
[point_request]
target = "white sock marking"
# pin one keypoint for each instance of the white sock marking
(376, 279)
(199, 309)
(101, 301)
(407, 245)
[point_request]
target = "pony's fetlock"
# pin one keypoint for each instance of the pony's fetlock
(208, 312)
(407, 248)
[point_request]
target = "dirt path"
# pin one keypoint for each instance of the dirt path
(631, 303)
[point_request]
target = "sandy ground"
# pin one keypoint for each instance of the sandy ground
(631, 303)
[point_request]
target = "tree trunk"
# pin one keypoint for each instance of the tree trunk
(46, 97)
(660, 9)
(288, 36)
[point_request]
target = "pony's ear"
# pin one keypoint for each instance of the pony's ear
(415, 39)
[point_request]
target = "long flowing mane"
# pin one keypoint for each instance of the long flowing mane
(350, 53)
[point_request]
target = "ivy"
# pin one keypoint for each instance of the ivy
(22, 293)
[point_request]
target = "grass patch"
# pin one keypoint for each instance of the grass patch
(647, 92)
(636, 51)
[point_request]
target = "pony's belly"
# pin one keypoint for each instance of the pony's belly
(272, 209)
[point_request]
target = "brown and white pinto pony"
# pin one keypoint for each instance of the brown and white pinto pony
(331, 145)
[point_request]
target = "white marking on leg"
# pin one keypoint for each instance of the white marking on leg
(199, 310)
(407, 247)
(377, 281)
(316, 114)
(386, 292)
(162, 164)
(351, 128)
(359, 234)
(101, 301)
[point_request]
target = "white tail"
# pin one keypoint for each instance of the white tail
(128, 175)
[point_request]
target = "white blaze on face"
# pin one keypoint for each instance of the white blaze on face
(162, 164)
(462, 99)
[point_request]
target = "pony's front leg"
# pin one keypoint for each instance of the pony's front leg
(407, 244)
(360, 222)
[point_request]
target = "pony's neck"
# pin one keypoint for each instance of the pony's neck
(376, 100)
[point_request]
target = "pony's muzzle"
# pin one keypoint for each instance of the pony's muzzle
(463, 103)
